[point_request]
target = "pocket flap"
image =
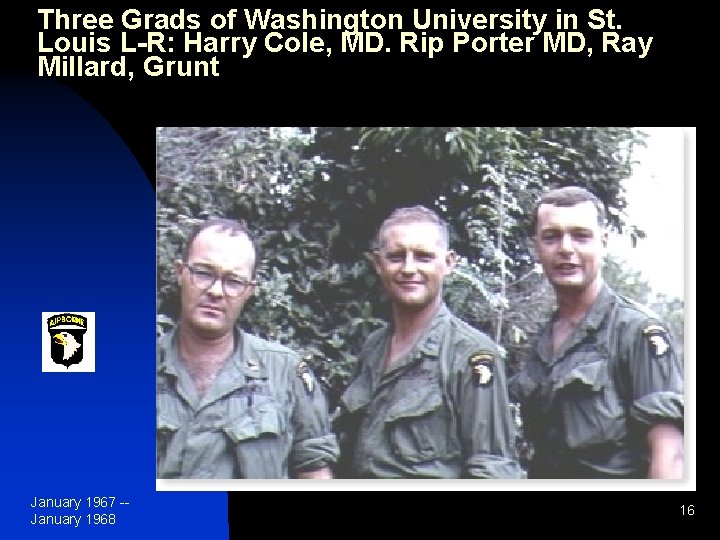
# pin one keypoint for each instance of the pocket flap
(261, 420)
(164, 423)
(356, 397)
(593, 375)
(419, 402)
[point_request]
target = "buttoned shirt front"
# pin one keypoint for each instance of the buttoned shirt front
(587, 407)
(441, 411)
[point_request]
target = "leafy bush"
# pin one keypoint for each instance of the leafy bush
(315, 198)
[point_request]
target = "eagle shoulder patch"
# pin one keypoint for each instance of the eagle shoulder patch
(657, 340)
(481, 366)
(253, 365)
(303, 371)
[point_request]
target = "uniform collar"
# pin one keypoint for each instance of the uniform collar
(176, 376)
(244, 363)
(428, 342)
(431, 338)
(167, 354)
(589, 324)
(373, 374)
(246, 358)
(596, 314)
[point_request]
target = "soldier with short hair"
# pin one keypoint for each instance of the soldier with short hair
(230, 404)
(429, 397)
(602, 394)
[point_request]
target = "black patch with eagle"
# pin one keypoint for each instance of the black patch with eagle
(66, 338)
(658, 341)
(306, 376)
(482, 368)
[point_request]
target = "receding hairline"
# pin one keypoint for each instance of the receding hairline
(221, 231)
(382, 240)
(412, 215)
(223, 226)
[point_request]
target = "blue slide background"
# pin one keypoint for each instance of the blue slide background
(78, 223)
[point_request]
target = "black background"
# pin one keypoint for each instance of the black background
(464, 88)
(665, 88)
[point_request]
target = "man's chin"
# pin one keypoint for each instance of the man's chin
(210, 328)
(412, 303)
(569, 283)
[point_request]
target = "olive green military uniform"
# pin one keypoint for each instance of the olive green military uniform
(441, 411)
(263, 417)
(587, 409)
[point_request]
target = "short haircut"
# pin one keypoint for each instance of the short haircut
(569, 196)
(414, 214)
(229, 226)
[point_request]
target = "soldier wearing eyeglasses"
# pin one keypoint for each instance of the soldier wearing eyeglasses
(230, 404)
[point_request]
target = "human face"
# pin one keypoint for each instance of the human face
(210, 312)
(570, 245)
(411, 262)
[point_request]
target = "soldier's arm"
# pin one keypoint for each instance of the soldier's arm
(666, 452)
(321, 474)
(314, 447)
(487, 429)
(656, 374)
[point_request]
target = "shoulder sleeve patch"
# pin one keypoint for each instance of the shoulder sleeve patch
(481, 366)
(303, 371)
(657, 340)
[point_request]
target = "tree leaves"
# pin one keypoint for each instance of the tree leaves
(315, 201)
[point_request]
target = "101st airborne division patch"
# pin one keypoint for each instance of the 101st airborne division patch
(657, 339)
(303, 371)
(482, 368)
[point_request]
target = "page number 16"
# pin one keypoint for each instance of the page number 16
(688, 510)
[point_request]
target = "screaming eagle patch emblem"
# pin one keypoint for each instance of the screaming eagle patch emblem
(303, 371)
(481, 365)
(657, 338)
(69, 342)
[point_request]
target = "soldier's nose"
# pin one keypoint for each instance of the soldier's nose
(409, 266)
(566, 242)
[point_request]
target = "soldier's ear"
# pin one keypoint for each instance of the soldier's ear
(376, 260)
(178, 270)
(604, 238)
(533, 246)
(450, 260)
(250, 291)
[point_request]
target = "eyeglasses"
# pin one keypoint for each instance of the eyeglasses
(204, 279)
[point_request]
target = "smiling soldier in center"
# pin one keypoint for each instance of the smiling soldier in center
(428, 398)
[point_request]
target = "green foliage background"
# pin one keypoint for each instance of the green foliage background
(316, 196)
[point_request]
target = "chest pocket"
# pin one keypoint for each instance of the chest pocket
(592, 411)
(417, 425)
(170, 418)
(165, 431)
(261, 448)
(356, 396)
(354, 402)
